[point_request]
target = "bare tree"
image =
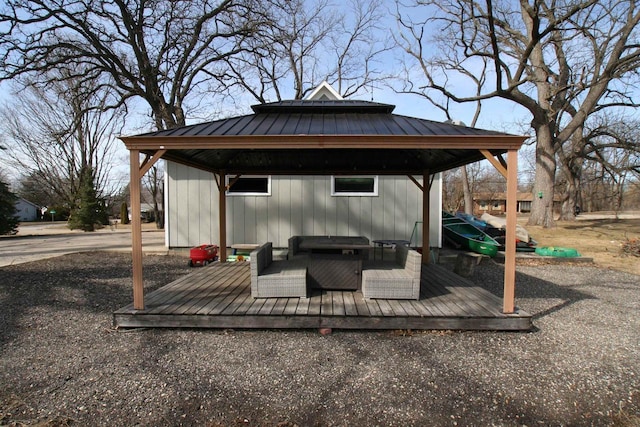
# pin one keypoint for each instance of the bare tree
(479, 179)
(56, 134)
(159, 51)
(452, 194)
(355, 50)
(613, 144)
(560, 60)
(478, 79)
(307, 42)
(605, 151)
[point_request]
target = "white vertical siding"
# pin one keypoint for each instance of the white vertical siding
(26, 211)
(192, 206)
(297, 206)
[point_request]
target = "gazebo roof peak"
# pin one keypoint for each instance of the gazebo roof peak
(323, 106)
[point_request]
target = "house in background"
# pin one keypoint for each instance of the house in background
(496, 203)
(146, 212)
(263, 208)
(27, 211)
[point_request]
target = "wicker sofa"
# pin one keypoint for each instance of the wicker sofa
(294, 248)
(399, 279)
(276, 279)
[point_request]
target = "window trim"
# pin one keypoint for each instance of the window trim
(248, 194)
(374, 193)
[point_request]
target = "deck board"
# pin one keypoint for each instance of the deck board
(361, 305)
(490, 303)
(408, 308)
(350, 308)
(291, 307)
(202, 297)
(338, 303)
(268, 306)
(219, 296)
(326, 306)
(255, 306)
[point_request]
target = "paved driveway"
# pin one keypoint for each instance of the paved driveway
(47, 241)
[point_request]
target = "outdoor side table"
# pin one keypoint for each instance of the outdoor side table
(386, 242)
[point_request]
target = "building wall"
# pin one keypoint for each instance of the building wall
(26, 211)
(492, 207)
(297, 206)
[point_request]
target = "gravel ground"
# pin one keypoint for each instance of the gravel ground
(63, 364)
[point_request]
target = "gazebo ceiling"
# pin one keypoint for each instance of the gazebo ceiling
(324, 137)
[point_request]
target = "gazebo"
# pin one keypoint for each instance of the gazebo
(325, 137)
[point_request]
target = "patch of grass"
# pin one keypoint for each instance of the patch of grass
(623, 417)
(601, 239)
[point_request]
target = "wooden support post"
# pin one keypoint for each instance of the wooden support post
(222, 215)
(510, 237)
(136, 229)
(426, 199)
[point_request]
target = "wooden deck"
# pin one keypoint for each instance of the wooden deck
(219, 296)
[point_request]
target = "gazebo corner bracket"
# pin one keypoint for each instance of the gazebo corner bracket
(415, 181)
(149, 161)
(500, 165)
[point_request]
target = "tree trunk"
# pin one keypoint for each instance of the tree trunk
(570, 199)
(468, 197)
(571, 196)
(159, 214)
(572, 162)
(542, 205)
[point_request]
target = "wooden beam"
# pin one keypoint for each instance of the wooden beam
(426, 199)
(306, 141)
(222, 216)
(496, 164)
(510, 237)
(150, 161)
(502, 161)
(232, 181)
(420, 186)
(324, 170)
(415, 181)
(136, 229)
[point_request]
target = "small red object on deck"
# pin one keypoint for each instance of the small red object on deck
(203, 255)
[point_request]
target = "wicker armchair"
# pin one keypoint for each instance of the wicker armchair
(276, 279)
(399, 279)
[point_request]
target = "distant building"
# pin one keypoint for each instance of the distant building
(27, 211)
(496, 203)
(146, 212)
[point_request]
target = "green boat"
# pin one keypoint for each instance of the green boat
(464, 235)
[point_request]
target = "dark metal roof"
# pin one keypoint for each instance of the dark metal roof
(324, 137)
(322, 118)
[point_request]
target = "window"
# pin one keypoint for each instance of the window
(354, 186)
(249, 185)
(483, 205)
